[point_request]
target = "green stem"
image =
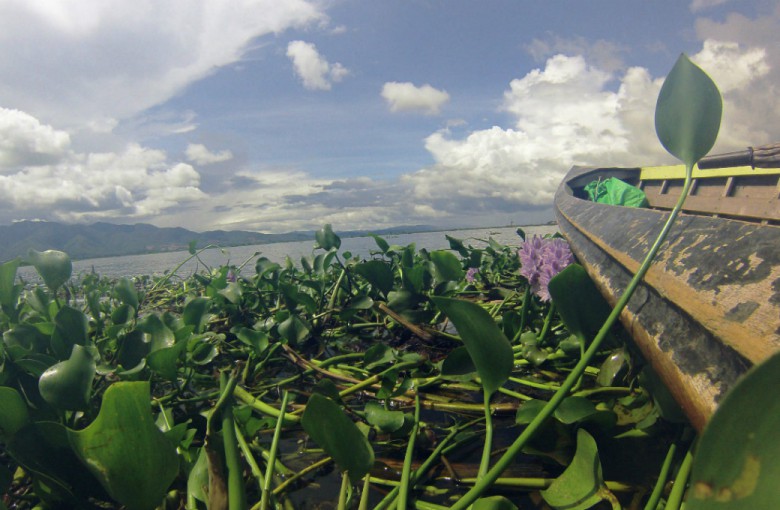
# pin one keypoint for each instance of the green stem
(272, 458)
(485, 462)
(523, 313)
(403, 496)
(511, 453)
(547, 323)
(364, 495)
(236, 494)
(680, 481)
(343, 492)
(250, 459)
(257, 404)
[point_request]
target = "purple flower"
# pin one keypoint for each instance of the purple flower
(471, 274)
(541, 259)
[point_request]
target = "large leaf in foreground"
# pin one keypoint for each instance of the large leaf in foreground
(688, 111)
(581, 485)
(578, 301)
(330, 428)
(488, 347)
(53, 266)
(737, 462)
(124, 449)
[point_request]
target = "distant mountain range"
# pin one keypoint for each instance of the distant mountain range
(109, 240)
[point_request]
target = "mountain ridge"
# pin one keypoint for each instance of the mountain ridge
(101, 239)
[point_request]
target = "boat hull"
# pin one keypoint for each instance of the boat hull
(709, 306)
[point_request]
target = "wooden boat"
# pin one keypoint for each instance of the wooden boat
(709, 307)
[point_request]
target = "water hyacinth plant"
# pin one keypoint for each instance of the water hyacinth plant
(541, 258)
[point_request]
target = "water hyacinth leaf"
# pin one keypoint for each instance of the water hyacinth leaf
(70, 328)
(68, 384)
(379, 274)
(458, 365)
(53, 266)
(737, 460)
(614, 368)
(232, 292)
(447, 266)
(9, 292)
(688, 112)
(381, 243)
(528, 411)
(327, 239)
(258, 340)
(294, 329)
(160, 335)
(125, 291)
(376, 355)
(493, 503)
(13, 413)
(489, 349)
(574, 409)
(457, 245)
(383, 419)
(133, 348)
(165, 361)
(332, 430)
(579, 303)
(135, 469)
(581, 485)
(196, 314)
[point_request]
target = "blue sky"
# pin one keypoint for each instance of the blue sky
(276, 116)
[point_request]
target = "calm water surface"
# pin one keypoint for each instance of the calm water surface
(161, 263)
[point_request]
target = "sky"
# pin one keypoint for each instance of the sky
(284, 115)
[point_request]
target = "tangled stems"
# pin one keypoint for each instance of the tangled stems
(503, 463)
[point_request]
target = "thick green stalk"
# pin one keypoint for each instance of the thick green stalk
(342, 505)
(269, 472)
(503, 463)
(680, 481)
(403, 496)
(236, 494)
(484, 463)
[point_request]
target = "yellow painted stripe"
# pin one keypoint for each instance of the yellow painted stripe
(651, 173)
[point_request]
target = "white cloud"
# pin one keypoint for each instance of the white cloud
(407, 97)
(23, 139)
(200, 155)
(569, 113)
(96, 61)
(42, 176)
(700, 5)
(315, 71)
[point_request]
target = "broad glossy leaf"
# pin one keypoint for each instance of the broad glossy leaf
(70, 329)
(381, 243)
(53, 266)
(330, 428)
(327, 239)
(578, 301)
(13, 413)
(581, 485)
(125, 291)
(376, 355)
(737, 461)
(528, 411)
(294, 329)
(124, 449)
(165, 361)
(458, 365)
(379, 274)
(196, 314)
(258, 340)
(493, 503)
(68, 384)
(447, 266)
(488, 347)
(688, 112)
(383, 419)
(160, 335)
(9, 291)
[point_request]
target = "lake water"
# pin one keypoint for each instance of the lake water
(160, 263)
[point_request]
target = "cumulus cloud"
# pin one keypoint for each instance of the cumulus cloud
(700, 5)
(200, 155)
(407, 97)
(129, 55)
(573, 113)
(24, 140)
(315, 72)
(42, 176)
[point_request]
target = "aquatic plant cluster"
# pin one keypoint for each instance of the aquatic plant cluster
(265, 388)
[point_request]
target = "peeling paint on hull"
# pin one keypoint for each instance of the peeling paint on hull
(709, 307)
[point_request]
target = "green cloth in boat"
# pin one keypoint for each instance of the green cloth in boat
(613, 191)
